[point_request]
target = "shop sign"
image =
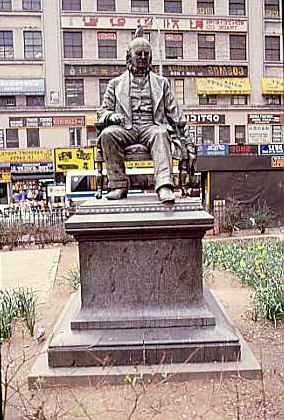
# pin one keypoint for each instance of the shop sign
(24, 155)
(277, 161)
(74, 159)
(171, 23)
(213, 149)
(271, 149)
(205, 118)
(22, 87)
(277, 136)
(70, 121)
(174, 70)
(16, 122)
(222, 86)
(34, 167)
(204, 71)
(258, 134)
(242, 149)
(5, 175)
(1, 139)
(272, 86)
(263, 118)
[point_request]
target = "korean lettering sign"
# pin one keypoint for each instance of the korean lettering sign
(271, 149)
(277, 161)
(42, 155)
(213, 150)
(74, 159)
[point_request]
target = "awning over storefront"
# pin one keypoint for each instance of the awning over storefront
(22, 87)
(222, 86)
(272, 85)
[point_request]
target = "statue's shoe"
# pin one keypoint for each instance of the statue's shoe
(117, 194)
(166, 195)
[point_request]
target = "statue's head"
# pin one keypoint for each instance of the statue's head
(139, 56)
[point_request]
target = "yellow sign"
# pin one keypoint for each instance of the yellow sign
(74, 159)
(91, 120)
(222, 86)
(14, 156)
(273, 85)
(5, 175)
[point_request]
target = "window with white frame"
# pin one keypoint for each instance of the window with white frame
(239, 100)
(173, 6)
(174, 46)
(106, 5)
(206, 47)
(206, 134)
(107, 47)
(6, 45)
(140, 6)
(74, 92)
(33, 5)
(5, 4)
(75, 136)
(271, 8)
(102, 88)
(34, 101)
(33, 44)
(72, 44)
(207, 100)
(237, 7)
(272, 48)
(205, 7)
(238, 47)
(71, 5)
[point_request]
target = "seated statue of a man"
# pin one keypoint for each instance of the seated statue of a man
(138, 107)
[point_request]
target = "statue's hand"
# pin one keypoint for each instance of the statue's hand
(117, 119)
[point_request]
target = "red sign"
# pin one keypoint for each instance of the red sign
(242, 149)
(277, 161)
(69, 121)
(107, 35)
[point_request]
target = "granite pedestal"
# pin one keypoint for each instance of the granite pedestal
(142, 300)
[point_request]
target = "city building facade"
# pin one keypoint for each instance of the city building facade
(224, 60)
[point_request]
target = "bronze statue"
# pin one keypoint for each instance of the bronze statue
(138, 107)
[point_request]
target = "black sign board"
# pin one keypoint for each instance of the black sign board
(205, 118)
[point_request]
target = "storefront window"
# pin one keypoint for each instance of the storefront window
(34, 101)
(240, 133)
(33, 137)
(205, 134)
(224, 134)
(12, 138)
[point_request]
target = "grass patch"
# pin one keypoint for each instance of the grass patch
(258, 263)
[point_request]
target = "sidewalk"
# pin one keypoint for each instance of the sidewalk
(34, 269)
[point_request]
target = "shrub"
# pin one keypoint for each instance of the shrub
(16, 303)
(234, 214)
(260, 216)
(73, 278)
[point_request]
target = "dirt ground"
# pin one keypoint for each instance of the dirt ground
(222, 398)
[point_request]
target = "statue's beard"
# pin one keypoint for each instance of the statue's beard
(139, 70)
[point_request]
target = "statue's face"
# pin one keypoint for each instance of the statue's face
(140, 56)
